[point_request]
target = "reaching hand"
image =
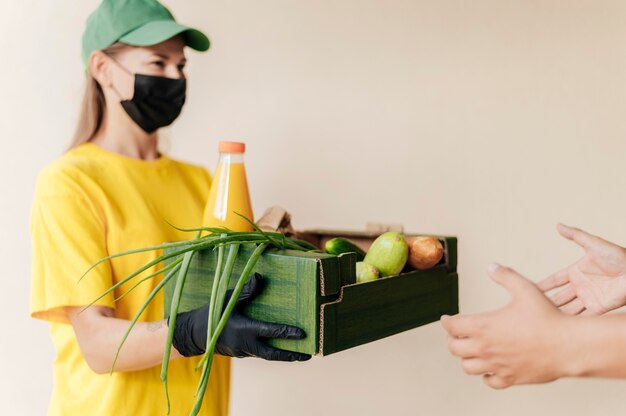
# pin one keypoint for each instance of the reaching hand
(594, 284)
(518, 344)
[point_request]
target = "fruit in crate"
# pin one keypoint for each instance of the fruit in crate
(388, 253)
(425, 252)
(366, 272)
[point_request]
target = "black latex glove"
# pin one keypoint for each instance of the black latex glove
(241, 337)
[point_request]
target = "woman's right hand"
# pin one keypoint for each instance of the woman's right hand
(241, 337)
(596, 283)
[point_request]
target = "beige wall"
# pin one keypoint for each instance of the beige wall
(490, 120)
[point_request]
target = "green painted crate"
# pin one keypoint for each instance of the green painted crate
(318, 293)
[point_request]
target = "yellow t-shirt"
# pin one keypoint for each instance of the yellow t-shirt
(90, 203)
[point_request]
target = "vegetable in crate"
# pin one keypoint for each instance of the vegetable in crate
(340, 245)
(220, 306)
(388, 254)
(425, 252)
(366, 272)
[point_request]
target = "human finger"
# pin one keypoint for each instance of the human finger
(461, 325)
(580, 237)
(281, 331)
(497, 382)
(589, 312)
(512, 281)
(574, 307)
(275, 354)
(563, 297)
(464, 347)
(476, 366)
(558, 279)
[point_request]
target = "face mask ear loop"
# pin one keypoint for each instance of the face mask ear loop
(121, 66)
(117, 92)
(123, 69)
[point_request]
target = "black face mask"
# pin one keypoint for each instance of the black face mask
(157, 101)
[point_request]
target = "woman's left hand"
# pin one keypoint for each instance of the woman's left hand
(519, 344)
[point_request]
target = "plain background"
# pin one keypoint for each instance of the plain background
(488, 120)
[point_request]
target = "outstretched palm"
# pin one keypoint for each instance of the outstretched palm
(596, 283)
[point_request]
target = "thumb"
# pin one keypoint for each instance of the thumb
(253, 287)
(513, 282)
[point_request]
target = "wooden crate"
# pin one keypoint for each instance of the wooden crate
(318, 293)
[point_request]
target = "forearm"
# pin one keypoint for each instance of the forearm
(597, 347)
(100, 335)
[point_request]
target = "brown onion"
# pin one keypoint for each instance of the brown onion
(424, 252)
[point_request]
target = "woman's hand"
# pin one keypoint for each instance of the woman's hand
(518, 344)
(242, 336)
(594, 284)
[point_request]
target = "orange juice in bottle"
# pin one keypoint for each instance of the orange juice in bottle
(229, 191)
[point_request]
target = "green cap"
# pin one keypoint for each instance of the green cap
(136, 23)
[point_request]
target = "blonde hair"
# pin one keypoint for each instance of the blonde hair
(93, 104)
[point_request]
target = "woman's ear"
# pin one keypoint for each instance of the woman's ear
(100, 68)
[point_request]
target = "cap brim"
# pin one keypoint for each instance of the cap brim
(161, 30)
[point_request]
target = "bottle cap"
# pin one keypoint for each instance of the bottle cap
(232, 147)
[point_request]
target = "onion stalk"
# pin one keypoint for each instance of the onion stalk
(182, 254)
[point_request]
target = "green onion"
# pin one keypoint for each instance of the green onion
(243, 279)
(142, 309)
(218, 239)
(158, 272)
(214, 290)
(178, 293)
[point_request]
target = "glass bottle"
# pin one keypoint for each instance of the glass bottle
(229, 191)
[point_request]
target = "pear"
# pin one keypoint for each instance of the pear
(388, 253)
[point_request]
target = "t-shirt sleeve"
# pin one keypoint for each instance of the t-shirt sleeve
(207, 175)
(68, 237)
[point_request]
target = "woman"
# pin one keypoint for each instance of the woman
(536, 339)
(112, 192)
